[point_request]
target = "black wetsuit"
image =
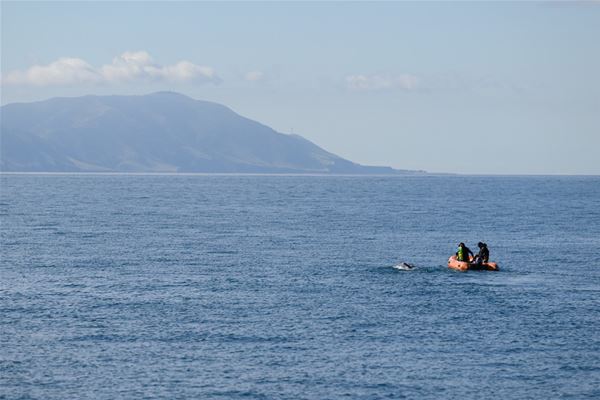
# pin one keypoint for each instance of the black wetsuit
(467, 252)
(483, 256)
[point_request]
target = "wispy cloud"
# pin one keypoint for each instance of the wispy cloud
(381, 82)
(128, 67)
(64, 71)
(254, 76)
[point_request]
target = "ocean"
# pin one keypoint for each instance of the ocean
(284, 287)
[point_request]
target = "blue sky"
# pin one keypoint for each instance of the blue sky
(467, 87)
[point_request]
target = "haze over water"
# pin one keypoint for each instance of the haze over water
(201, 286)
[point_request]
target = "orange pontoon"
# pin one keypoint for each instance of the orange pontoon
(465, 266)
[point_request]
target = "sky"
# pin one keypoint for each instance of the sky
(457, 87)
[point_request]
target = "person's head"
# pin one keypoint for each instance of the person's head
(461, 244)
(480, 245)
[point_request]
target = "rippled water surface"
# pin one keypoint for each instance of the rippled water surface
(283, 287)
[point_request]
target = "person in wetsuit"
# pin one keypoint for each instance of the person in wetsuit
(483, 256)
(462, 254)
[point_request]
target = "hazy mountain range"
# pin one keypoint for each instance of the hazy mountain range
(160, 132)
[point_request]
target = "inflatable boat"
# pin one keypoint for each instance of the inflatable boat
(466, 266)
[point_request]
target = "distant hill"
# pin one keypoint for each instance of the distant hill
(160, 132)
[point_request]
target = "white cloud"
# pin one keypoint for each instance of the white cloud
(64, 71)
(381, 82)
(254, 76)
(128, 67)
(139, 65)
(187, 71)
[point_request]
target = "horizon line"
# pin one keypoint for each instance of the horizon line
(400, 175)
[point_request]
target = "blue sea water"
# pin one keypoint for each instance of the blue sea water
(283, 287)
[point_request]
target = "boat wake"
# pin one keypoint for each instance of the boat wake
(404, 266)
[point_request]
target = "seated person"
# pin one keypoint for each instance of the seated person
(463, 252)
(484, 254)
